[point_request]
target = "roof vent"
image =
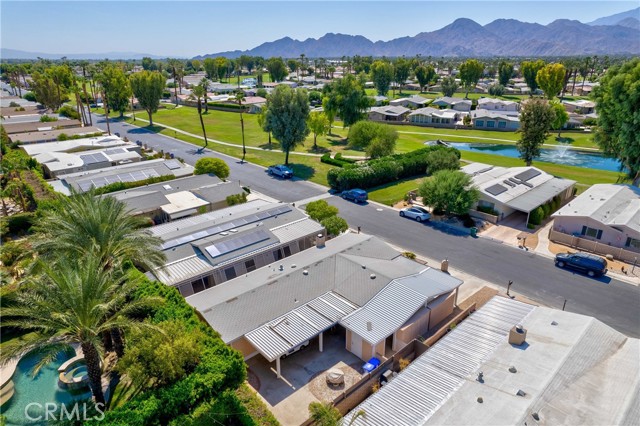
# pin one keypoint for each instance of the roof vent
(364, 266)
(281, 267)
(372, 276)
(480, 400)
(369, 326)
(233, 230)
(554, 323)
(293, 265)
(305, 272)
(521, 393)
(535, 416)
(480, 377)
(512, 369)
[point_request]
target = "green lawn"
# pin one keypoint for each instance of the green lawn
(391, 193)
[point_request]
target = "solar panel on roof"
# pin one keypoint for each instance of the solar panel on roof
(112, 151)
(93, 158)
(528, 174)
(511, 184)
(173, 164)
(236, 243)
(496, 189)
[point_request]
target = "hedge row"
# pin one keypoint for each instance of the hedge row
(336, 161)
(384, 170)
(221, 368)
(227, 106)
(120, 186)
(542, 212)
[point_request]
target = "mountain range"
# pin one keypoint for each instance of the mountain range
(614, 35)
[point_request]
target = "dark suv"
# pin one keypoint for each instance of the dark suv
(593, 266)
(356, 195)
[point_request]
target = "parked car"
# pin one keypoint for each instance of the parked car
(415, 212)
(296, 349)
(357, 195)
(282, 171)
(592, 265)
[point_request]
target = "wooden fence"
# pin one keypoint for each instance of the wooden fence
(593, 246)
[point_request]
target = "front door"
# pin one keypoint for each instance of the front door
(356, 345)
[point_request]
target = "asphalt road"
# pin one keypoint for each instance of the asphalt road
(248, 174)
(614, 302)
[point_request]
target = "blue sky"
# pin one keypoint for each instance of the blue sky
(189, 28)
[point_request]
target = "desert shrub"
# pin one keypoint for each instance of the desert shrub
(47, 118)
(69, 112)
(237, 199)
(13, 104)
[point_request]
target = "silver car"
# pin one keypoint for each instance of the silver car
(415, 212)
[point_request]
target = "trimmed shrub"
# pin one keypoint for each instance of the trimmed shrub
(47, 119)
(339, 157)
(63, 137)
(531, 226)
(546, 209)
(336, 161)
(227, 106)
(69, 112)
(30, 96)
(335, 225)
(212, 165)
(383, 170)
(536, 216)
(320, 210)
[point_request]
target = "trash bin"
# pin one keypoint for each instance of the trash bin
(474, 231)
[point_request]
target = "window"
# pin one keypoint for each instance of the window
(632, 242)
(502, 124)
(277, 254)
(491, 124)
(591, 232)
(485, 203)
(287, 251)
(250, 265)
(230, 273)
(479, 123)
(198, 286)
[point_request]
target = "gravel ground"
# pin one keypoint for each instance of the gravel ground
(325, 392)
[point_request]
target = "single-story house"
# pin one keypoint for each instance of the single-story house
(379, 100)
(492, 120)
(410, 102)
(571, 369)
(457, 104)
(436, 117)
(505, 107)
(38, 126)
(77, 145)
(388, 113)
(253, 104)
(580, 106)
(355, 281)
(52, 135)
(208, 249)
(223, 87)
(62, 163)
(178, 198)
(516, 189)
(606, 213)
(131, 172)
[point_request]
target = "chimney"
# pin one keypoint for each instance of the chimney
(517, 335)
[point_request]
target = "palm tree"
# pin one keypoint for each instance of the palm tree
(74, 302)
(86, 223)
(239, 98)
(198, 92)
(205, 83)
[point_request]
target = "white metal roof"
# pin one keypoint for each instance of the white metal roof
(277, 337)
(183, 200)
(427, 383)
(74, 145)
(396, 303)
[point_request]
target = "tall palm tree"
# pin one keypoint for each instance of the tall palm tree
(205, 83)
(74, 301)
(239, 98)
(198, 92)
(100, 224)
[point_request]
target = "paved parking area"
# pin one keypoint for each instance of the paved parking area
(289, 397)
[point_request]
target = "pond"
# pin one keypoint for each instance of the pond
(36, 391)
(560, 155)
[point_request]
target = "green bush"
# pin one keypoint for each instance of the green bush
(48, 119)
(30, 96)
(13, 104)
(69, 112)
(335, 225)
(234, 199)
(320, 210)
(326, 158)
(488, 210)
(339, 157)
(546, 209)
(531, 226)
(20, 223)
(536, 216)
(63, 137)
(384, 170)
(166, 94)
(212, 165)
(442, 160)
(227, 106)
(590, 121)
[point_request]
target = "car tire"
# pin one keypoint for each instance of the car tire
(591, 274)
(401, 214)
(418, 219)
(344, 197)
(270, 172)
(561, 264)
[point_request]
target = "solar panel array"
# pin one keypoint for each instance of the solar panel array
(496, 189)
(528, 174)
(226, 226)
(99, 182)
(237, 243)
(112, 151)
(98, 157)
(173, 164)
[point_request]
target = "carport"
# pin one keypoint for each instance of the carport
(299, 325)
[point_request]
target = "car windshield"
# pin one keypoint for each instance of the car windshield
(420, 209)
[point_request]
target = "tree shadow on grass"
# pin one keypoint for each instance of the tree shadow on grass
(564, 139)
(302, 171)
(274, 146)
(337, 141)
(318, 150)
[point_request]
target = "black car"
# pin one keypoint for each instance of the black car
(356, 195)
(594, 266)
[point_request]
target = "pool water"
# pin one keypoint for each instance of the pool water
(560, 155)
(37, 390)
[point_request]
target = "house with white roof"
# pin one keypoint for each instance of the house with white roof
(457, 104)
(493, 104)
(493, 120)
(516, 189)
(77, 145)
(436, 117)
(388, 113)
(62, 163)
(511, 363)
(605, 213)
(355, 281)
(410, 102)
(581, 106)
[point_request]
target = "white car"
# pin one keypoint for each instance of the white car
(415, 212)
(296, 349)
